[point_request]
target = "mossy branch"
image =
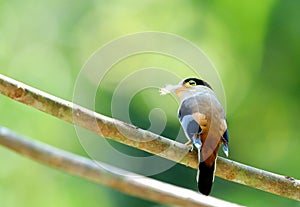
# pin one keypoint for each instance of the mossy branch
(116, 130)
(124, 181)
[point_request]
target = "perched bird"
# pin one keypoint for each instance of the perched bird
(203, 119)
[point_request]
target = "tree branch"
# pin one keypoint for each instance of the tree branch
(145, 140)
(126, 182)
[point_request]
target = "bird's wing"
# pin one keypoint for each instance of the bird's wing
(192, 121)
(189, 125)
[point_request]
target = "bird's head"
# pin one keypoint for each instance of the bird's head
(186, 85)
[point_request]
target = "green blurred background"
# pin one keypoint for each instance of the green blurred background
(254, 46)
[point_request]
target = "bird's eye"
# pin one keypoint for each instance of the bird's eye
(192, 83)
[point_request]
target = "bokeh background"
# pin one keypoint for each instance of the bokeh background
(254, 46)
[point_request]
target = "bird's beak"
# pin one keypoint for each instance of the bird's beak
(171, 89)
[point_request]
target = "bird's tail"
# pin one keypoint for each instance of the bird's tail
(206, 173)
(205, 177)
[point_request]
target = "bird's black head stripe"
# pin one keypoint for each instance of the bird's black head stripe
(198, 82)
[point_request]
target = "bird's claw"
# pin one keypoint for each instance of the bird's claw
(189, 144)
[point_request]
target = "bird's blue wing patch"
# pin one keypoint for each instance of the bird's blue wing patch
(188, 123)
(225, 142)
(191, 128)
(225, 136)
(197, 142)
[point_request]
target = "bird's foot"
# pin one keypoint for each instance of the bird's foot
(189, 144)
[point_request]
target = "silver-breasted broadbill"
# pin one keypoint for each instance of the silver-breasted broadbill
(202, 118)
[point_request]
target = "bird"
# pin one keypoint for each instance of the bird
(203, 120)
